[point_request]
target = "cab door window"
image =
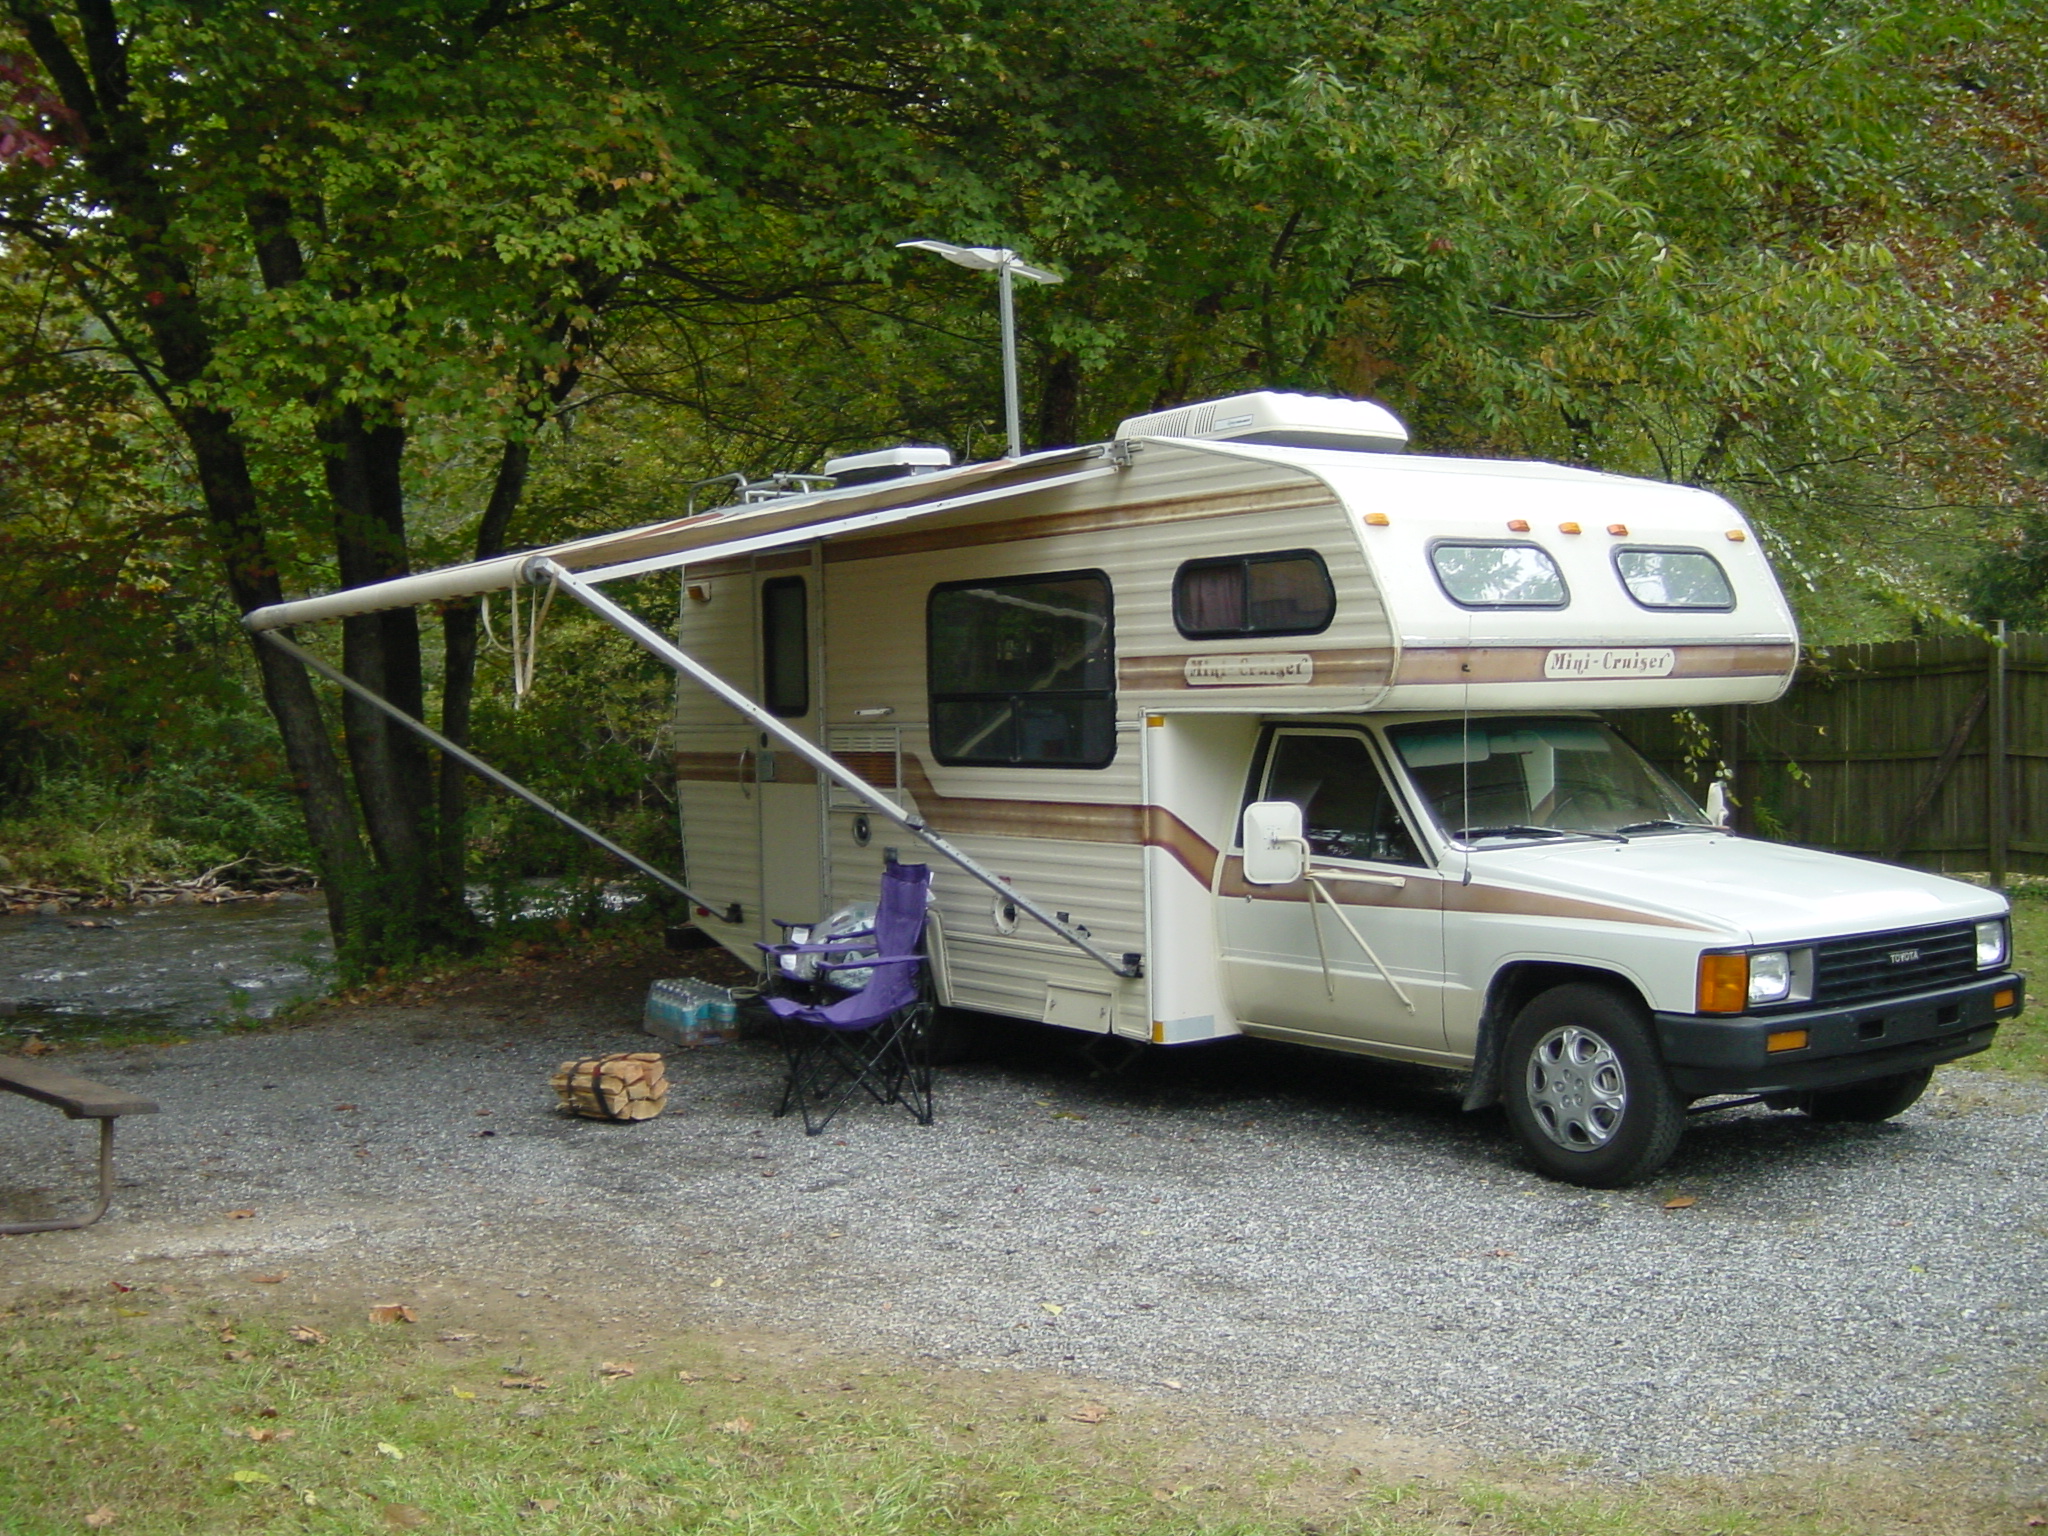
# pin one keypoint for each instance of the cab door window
(1347, 810)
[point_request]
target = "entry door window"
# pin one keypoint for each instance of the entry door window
(1347, 811)
(785, 647)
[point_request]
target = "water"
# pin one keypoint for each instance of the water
(160, 970)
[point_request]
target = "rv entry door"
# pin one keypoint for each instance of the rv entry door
(1293, 958)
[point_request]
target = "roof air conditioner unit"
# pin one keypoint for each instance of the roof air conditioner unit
(887, 464)
(1279, 421)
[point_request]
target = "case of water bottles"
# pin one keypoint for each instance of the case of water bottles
(691, 1012)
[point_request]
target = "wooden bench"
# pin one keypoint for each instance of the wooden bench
(81, 1099)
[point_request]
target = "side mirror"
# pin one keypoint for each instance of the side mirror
(1274, 853)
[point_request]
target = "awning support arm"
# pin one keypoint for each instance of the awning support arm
(484, 770)
(543, 569)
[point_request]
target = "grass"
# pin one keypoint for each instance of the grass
(2022, 1046)
(143, 1413)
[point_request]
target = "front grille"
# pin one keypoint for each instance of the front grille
(1883, 964)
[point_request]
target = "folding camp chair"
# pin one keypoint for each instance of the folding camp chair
(874, 1039)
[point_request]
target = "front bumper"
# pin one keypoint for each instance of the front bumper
(1724, 1053)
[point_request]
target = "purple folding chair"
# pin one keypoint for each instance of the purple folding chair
(876, 1039)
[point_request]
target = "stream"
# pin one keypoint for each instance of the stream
(79, 975)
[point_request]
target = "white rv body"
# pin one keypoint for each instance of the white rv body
(1134, 850)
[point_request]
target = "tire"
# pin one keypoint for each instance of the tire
(1586, 1092)
(1866, 1103)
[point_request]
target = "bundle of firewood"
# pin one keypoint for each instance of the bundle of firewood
(627, 1086)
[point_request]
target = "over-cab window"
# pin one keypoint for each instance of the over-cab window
(1497, 575)
(1674, 578)
(785, 647)
(1286, 592)
(1022, 671)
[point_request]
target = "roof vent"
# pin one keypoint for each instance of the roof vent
(1280, 421)
(887, 464)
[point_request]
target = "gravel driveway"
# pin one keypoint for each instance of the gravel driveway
(1292, 1236)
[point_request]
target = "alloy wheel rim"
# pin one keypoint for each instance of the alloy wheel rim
(1577, 1089)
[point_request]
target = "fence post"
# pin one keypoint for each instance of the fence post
(1996, 809)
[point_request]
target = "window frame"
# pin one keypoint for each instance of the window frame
(1556, 567)
(1106, 695)
(1421, 827)
(1244, 563)
(1674, 549)
(771, 588)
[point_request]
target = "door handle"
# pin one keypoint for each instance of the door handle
(740, 772)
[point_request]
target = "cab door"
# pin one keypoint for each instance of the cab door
(1293, 968)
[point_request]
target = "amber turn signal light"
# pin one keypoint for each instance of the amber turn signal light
(1724, 983)
(1786, 1040)
(2004, 999)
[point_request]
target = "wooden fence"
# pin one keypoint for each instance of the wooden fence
(1927, 752)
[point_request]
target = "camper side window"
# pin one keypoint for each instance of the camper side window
(1022, 671)
(1497, 575)
(1347, 811)
(785, 647)
(1286, 592)
(1674, 578)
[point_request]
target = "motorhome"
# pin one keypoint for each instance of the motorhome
(1251, 722)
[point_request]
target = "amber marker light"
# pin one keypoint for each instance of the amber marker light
(1619, 530)
(2004, 999)
(1785, 1040)
(1724, 983)
(1736, 536)
(1518, 525)
(1567, 527)
(1376, 519)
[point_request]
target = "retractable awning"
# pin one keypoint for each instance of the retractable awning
(577, 566)
(714, 535)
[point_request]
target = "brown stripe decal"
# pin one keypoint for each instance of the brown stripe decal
(1075, 821)
(1524, 663)
(1506, 902)
(1165, 509)
(715, 767)
(1363, 668)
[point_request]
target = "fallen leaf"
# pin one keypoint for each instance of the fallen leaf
(241, 1215)
(118, 1286)
(1681, 1202)
(37, 1048)
(340, 1108)
(466, 1396)
(261, 1436)
(404, 1517)
(241, 1356)
(718, 1283)
(542, 1506)
(228, 1336)
(736, 1426)
(307, 1335)
(735, 1378)
(249, 1478)
(102, 1517)
(612, 1370)
(386, 1448)
(277, 1279)
(454, 1338)
(1089, 1413)
(393, 1313)
(1053, 1307)
(688, 1376)
(524, 1383)
(1173, 1386)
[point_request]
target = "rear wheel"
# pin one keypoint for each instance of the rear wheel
(1586, 1093)
(1866, 1103)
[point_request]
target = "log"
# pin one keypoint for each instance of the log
(628, 1085)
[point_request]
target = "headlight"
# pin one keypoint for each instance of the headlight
(1991, 944)
(1770, 975)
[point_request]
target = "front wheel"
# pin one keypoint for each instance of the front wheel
(1586, 1093)
(1866, 1103)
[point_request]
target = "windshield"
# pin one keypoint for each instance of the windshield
(1535, 777)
